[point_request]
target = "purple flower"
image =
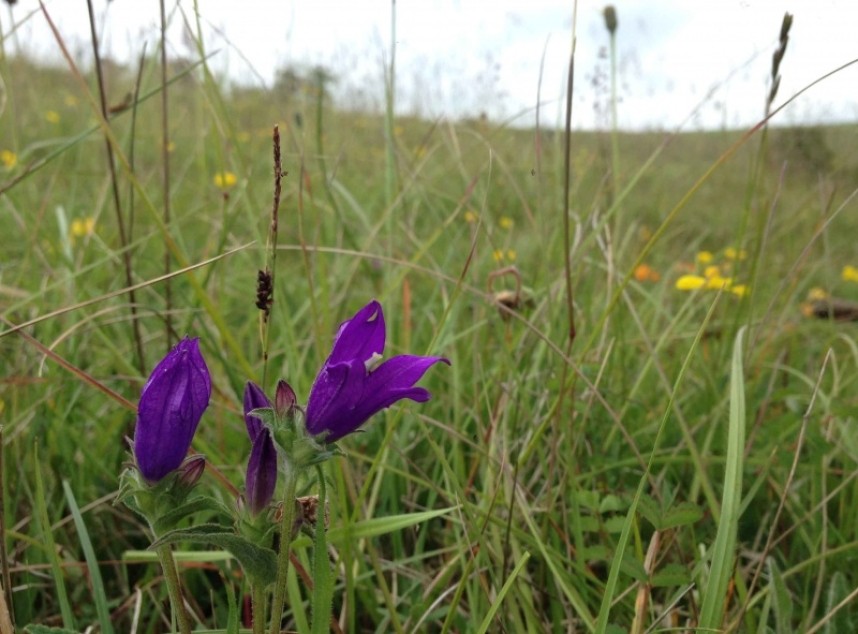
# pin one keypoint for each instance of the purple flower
(261, 476)
(171, 405)
(352, 386)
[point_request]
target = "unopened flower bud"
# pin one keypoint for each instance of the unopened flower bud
(192, 470)
(285, 401)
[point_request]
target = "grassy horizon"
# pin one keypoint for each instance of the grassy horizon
(585, 483)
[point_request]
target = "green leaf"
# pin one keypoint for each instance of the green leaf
(651, 510)
(634, 568)
(671, 575)
(681, 514)
(589, 524)
(197, 504)
(260, 564)
(597, 552)
(615, 524)
(612, 503)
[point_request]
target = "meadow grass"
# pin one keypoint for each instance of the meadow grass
(687, 462)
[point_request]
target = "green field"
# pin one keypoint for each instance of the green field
(686, 462)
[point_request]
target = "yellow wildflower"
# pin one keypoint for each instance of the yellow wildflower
(82, 227)
(511, 255)
(645, 273)
(497, 254)
(712, 271)
(731, 253)
(849, 273)
(470, 216)
(52, 116)
(740, 290)
(704, 257)
(506, 222)
(717, 282)
(690, 282)
(225, 180)
(817, 294)
(9, 159)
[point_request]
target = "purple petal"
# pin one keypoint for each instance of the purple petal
(393, 381)
(359, 337)
(344, 396)
(261, 477)
(335, 392)
(171, 405)
(254, 398)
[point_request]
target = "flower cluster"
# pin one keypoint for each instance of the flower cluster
(713, 275)
(225, 180)
(353, 385)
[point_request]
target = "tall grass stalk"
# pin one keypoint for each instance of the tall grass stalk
(723, 558)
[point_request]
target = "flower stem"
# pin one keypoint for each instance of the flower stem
(174, 589)
(257, 597)
(285, 548)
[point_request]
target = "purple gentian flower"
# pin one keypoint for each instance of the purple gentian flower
(171, 405)
(352, 386)
(261, 477)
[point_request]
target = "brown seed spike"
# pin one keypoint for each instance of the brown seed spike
(264, 291)
(610, 15)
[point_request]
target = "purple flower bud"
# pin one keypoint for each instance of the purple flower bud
(285, 402)
(171, 405)
(192, 470)
(352, 385)
(254, 398)
(261, 476)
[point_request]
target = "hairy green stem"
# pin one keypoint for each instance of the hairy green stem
(257, 597)
(285, 548)
(171, 576)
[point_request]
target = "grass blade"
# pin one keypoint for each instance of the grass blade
(98, 594)
(723, 552)
(50, 546)
(484, 626)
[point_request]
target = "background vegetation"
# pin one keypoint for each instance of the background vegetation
(587, 475)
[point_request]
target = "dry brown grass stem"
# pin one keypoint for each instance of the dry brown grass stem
(124, 237)
(165, 175)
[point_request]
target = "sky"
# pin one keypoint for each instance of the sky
(681, 64)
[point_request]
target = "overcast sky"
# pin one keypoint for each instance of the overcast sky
(681, 62)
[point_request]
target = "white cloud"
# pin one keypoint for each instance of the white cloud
(463, 56)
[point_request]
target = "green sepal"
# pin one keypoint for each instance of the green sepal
(258, 530)
(259, 564)
(171, 518)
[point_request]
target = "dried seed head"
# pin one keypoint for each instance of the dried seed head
(610, 15)
(264, 291)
